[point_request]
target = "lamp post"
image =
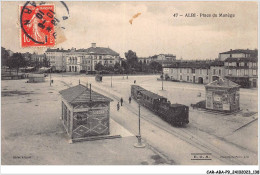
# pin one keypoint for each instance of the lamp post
(50, 76)
(162, 81)
(111, 80)
(139, 144)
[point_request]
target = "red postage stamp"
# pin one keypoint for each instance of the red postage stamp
(37, 25)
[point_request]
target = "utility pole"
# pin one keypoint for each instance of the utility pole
(111, 80)
(139, 144)
(162, 81)
(50, 77)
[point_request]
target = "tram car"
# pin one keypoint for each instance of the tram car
(98, 78)
(175, 114)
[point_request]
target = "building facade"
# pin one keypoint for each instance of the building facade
(163, 59)
(86, 59)
(189, 71)
(238, 53)
(222, 95)
(85, 113)
(56, 58)
(243, 71)
(77, 60)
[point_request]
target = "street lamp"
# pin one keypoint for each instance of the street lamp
(139, 144)
(162, 81)
(111, 80)
(50, 76)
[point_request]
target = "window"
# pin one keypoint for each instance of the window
(180, 70)
(238, 72)
(234, 64)
(254, 72)
(246, 64)
(180, 77)
(219, 72)
(111, 61)
(188, 70)
(237, 64)
(207, 72)
(226, 63)
(214, 71)
(200, 71)
(188, 78)
(254, 64)
(100, 57)
(193, 71)
(242, 64)
(246, 71)
(242, 72)
(229, 72)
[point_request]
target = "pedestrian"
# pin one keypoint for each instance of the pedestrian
(118, 106)
(121, 100)
(130, 99)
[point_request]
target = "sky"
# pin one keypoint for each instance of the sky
(154, 31)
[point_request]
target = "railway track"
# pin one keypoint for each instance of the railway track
(180, 133)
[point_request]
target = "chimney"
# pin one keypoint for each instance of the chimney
(93, 45)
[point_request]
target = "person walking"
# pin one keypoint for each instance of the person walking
(118, 106)
(130, 99)
(121, 100)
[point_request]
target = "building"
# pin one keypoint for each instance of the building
(163, 59)
(217, 70)
(85, 113)
(38, 60)
(238, 53)
(189, 71)
(222, 95)
(56, 57)
(86, 59)
(242, 71)
(77, 60)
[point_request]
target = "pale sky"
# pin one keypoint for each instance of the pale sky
(153, 32)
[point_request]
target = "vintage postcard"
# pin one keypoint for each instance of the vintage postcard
(145, 83)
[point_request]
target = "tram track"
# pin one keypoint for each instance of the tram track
(181, 133)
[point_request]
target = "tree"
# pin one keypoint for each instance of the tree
(155, 66)
(125, 66)
(4, 56)
(16, 61)
(46, 62)
(99, 67)
(131, 59)
(118, 68)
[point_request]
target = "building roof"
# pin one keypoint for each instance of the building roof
(99, 51)
(245, 51)
(190, 64)
(243, 59)
(81, 94)
(57, 50)
(217, 63)
(222, 82)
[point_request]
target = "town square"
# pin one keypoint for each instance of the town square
(152, 84)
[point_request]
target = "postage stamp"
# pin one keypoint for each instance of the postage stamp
(37, 25)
